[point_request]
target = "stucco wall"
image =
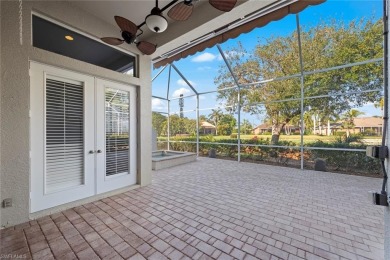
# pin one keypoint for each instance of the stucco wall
(15, 170)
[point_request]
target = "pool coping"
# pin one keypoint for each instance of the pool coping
(173, 160)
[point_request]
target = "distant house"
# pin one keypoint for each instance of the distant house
(372, 124)
(367, 125)
(260, 129)
(263, 128)
(207, 128)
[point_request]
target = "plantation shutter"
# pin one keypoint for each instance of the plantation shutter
(64, 135)
(117, 131)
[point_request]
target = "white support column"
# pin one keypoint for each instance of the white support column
(238, 102)
(197, 125)
(168, 124)
(169, 108)
(302, 88)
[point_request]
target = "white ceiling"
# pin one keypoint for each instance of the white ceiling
(204, 18)
(134, 10)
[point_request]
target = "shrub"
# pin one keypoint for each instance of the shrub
(369, 132)
(344, 161)
(233, 136)
(208, 138)
(339, 133)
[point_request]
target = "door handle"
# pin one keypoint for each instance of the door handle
(91, 152)
(99, 151)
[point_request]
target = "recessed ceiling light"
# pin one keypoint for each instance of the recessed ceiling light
(69, 38)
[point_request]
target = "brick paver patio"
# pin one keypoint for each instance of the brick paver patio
(216, 209)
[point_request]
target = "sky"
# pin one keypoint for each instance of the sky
(201, 68)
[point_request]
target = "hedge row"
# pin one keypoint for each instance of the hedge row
(352, 162)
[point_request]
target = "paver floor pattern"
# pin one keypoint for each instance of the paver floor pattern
(215, 209)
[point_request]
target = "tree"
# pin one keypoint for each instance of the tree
(203, 118)
(158, 121)
(174, 125)
(181, 105)
(215, 117)
(321, 119)
(226, 124)
(323, 46)
(189, 126)
(348, 119)
(179, 125)
(308, 122)
(380, 104)
(246, 127)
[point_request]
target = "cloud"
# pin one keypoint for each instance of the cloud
(179, 91)
(182, 83)
(204, 57)
(158, 104)
(204, 68)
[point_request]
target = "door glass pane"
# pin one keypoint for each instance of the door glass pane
(64, 135)
(117, 131)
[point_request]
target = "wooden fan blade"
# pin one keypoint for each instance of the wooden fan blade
(223, 5)
(126, 25)
(180, 12)
(146, 47)
(112, 40)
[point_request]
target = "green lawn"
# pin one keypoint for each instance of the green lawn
(297, 138)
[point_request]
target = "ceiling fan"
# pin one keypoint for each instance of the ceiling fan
(183, 10)
(129, 35)
(157, 23)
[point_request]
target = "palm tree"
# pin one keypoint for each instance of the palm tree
(326, 117)
(380, 103)
(202, 118)
(215, 116)
(349, 117)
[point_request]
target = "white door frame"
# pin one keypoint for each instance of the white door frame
(39, 198)
(108, 183)
(95, 179)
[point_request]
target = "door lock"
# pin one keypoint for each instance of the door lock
(92, 151)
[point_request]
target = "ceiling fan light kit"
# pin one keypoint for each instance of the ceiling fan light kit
(157, 23)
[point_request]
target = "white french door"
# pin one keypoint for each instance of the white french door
(116, 135)
(82, 132)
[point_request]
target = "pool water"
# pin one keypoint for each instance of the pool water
(163, 154)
